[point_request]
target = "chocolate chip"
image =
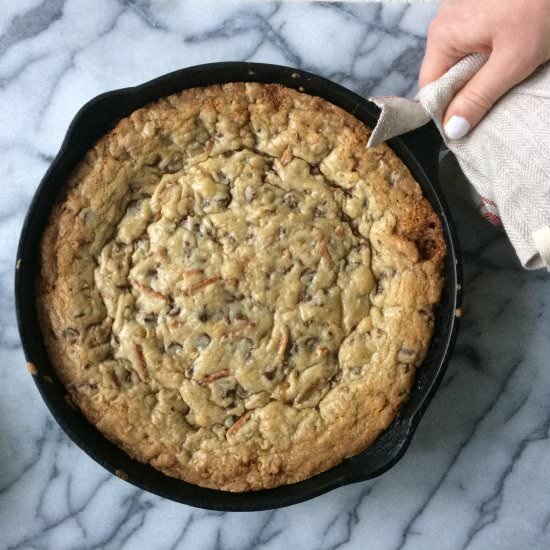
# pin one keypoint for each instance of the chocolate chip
(203, 316)
(142, 244)
(306, 277)
(202, 340)
(383, 279)
(320, 212)
(249, 194)
(229, 297)
(228, 392)
(70, 334)
(270, 373)
(173, 348)
(132, 207)
(229, 421)
(174, 310)
(389, 273)
(290, 200)
(426, 314)
(222, 177)
(175, 164)
(355, 372)
(394, 178)
(153, 160)
(314, 169)
(189, 371)
(226, 315)
(310, 343)
(245, 345)
(166, 139)
(241, 392)
(225, 201)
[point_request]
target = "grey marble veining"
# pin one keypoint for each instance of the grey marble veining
(477, 475)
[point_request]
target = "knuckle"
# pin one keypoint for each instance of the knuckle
(515, 61)
(517, 65)
(524, 64)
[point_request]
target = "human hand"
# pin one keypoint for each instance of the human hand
(515, 34)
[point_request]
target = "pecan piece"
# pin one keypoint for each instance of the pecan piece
(141, 364)
(214, 376)
(325, 253)
(31, 367)
(283, 341)
(308, 392)
(151, 291)
(121, 474)
(286, 155)
(239, 423)
(201, 284)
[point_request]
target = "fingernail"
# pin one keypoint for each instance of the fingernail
(457, 127)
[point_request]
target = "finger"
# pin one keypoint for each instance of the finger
(435, 64)
(440, 55)
(502, 71)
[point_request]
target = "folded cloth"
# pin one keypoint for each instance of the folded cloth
(506, 157)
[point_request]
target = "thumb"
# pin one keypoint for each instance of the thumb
(502, 71)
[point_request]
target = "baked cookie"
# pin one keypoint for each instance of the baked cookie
(235, 290)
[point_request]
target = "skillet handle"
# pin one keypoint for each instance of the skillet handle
(425, 143)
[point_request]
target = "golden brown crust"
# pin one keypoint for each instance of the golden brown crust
(235, 289)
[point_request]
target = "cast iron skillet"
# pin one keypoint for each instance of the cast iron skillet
(419, 150)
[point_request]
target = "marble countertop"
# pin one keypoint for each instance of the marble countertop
(477, 474)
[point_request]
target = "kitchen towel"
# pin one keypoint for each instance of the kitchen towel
(506, 157)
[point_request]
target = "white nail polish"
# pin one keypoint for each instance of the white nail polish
(457, 127)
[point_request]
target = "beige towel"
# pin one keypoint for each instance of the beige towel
(506, 157)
